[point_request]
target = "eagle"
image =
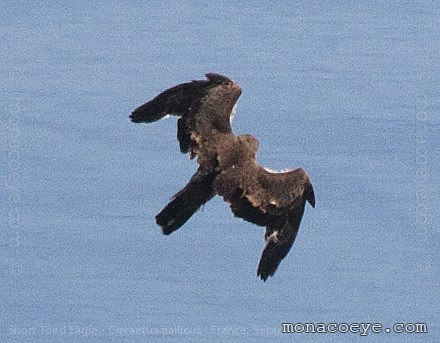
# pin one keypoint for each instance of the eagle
(228, 167)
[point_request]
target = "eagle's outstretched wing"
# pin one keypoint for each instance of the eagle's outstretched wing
(186, 202)
(270, 199)
(279, 237)
(204, 107)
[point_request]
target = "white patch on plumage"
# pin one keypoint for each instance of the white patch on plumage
(273, 202)
(285, 170)
(234, 109)
(273, 236)
(270, 170)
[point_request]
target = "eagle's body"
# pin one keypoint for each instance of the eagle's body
(228, 167)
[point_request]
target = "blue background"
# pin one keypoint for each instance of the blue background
(347, 90)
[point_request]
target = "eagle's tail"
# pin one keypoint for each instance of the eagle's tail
(186, 202)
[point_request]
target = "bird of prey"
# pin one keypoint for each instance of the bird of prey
(228, 167)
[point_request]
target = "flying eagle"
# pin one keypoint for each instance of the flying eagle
(228, 167)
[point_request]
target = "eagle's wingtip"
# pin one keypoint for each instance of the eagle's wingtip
(310, 195)
(134, 118)
(263, 277)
